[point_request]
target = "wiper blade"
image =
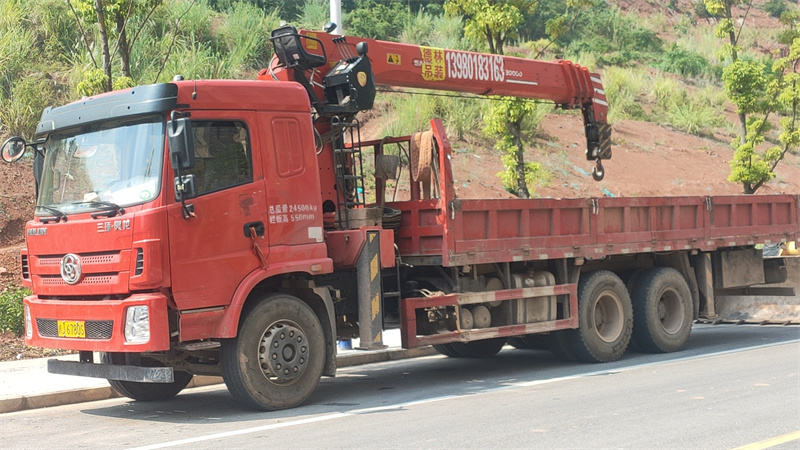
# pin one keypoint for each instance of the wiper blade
(110, 209)
(57, 214)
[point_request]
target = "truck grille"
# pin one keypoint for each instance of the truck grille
(139, 261)
(95, 329)
(26, 271)
(95, 258)
(91, 279)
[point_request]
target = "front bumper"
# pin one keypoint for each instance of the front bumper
(112, 372)
(104, 322)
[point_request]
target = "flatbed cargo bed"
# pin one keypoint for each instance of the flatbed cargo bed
(458, 232)
(450, 232)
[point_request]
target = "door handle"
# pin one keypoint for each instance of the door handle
(257, 226)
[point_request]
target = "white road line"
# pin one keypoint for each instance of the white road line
(524, 384)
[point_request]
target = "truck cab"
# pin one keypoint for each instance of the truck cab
(115, 262)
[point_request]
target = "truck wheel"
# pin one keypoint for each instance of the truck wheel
(559, 346)
(485, 348)
(277, 359)
(146, 392)
(518, 342)
(536, 341)
(662, 310)
(446, 350)
(530, 341)
(605, 318)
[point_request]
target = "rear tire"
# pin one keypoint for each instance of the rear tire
(605, 318)
(663, 310)
(518, 342)
(559, 346)
(479, 349)
(530, 342)
(146, 392)
(277, 359)
(446, 350)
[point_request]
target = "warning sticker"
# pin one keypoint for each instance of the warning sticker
(433, 64)
(393, 58)
(311, 44)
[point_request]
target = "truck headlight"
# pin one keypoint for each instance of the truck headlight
(137, 324)
(28, 323)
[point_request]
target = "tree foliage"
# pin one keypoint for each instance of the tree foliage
(759, 90)
(513, 121)
(510, 120)
(114, 20)
(491, 22)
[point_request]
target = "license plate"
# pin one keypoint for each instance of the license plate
(72, 329)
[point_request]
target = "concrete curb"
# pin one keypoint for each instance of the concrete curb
(83, 395)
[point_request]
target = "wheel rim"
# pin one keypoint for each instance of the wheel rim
(283, 352)
(607, 317)
(670, 311)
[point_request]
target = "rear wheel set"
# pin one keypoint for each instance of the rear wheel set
(605, 320)
(663, 310)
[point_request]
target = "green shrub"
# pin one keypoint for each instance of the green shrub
(314, 15)
(417, 29)
(409, 114)
(447, 33)
(460, 114)
(615, 37)
(685, 62)
(694, 117)
(370, 19)
(29, 96)
(664, 90)
(775, 8)
(624, 89)
(16, 44)
(246, 34)
(11, 310)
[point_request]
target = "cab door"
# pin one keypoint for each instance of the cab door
(212, 252)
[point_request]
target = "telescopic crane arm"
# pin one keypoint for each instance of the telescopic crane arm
(344, 70)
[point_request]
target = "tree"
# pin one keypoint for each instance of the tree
(759, 90)
(511, 119)
(513, 122)
(493, 22)
(113, 20)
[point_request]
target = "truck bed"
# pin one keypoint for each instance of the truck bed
(454, 232)
(450, 231)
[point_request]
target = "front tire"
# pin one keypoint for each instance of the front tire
(146, 392)
(446, 350)
(277, 359)
(485, 348)
(663, 310)
(605, 318)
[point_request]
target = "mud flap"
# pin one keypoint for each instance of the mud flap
(764, 304)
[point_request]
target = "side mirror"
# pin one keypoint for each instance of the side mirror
(13, 149)
(181, 143)
(184, 188)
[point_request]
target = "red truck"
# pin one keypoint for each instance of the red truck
(221, 228)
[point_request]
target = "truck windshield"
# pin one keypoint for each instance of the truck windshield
(112, 164)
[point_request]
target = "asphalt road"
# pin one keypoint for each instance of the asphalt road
(732, 386)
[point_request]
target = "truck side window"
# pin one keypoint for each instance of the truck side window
(222, 155)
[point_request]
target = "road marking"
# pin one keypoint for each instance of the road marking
(771, 442)
(243, 431)
(524, 384)
(274, 426)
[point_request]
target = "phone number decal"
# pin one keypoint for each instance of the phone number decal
(471, 66)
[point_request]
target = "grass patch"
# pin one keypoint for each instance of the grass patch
(11, 310)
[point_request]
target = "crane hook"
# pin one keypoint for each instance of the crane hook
(597, 172)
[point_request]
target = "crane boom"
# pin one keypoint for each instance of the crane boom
(333, 61)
